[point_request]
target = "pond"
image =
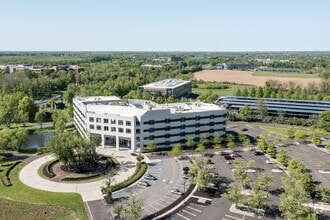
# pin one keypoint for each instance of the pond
(38, 140)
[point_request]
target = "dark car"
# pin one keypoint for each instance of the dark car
(144, 183)
(224, 153)
(150, 177)
(235, 154)
(229, 157)
(258, 153)
(244, 129)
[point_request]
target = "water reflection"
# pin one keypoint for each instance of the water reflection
(38, 140)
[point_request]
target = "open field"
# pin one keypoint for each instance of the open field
(222, 92)
(33, 200)
(246, 77)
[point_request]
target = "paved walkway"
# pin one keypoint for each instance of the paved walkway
(89, 191)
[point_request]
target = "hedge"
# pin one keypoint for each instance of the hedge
(47, 171)
(140, 171)
(76, 178)
(5, 174)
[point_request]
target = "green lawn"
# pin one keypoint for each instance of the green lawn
(285, 74)
(277, 130)
(222, 92)
(22, 194)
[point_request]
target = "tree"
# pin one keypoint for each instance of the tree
(251, 164)
(240, 175)
(300, 135)
(245, 113)
(234, 193)
(262, 143)
(282, 157)
(134, 208)
(27, 107)
(293, 198)
(190, 142)
(203, 139)
(216, 141)
(290, 132)
(271, 150)
(13, 139)
(316, 138)
(324, 120)
(199, 173)
(262, 109)
(230, 139)
(119, 209)
(40, 117)
(151, 146)
(200, 148)
(176, 150)
(9, 108)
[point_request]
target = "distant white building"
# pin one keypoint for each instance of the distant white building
(169, 87)
(133, 123)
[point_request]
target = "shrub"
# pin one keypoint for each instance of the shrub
(47, 171)
(2, 159)
(140, 170)
(77, 178)
(5, 174)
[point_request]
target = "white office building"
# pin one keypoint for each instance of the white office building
(131, 124)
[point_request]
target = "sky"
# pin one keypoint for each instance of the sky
(165, 25)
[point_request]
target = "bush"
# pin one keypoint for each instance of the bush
(5, 174)
(140, 170)
(2, 159)
(47, 171)
(77, 178)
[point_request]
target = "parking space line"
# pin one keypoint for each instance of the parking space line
(197, 210)
(161, 204)
(194, 204)
(182, 216)
(190, 213)
(233, 217)
(148, 210)
(163, 200)
(151, 206)
(169, 197)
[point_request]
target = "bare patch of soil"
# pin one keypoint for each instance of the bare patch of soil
(245, 77)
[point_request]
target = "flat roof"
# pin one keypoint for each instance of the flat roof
(137, 107)
(166, 83)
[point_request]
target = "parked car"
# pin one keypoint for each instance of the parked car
(150, 177)
(176, 191)
(258, 153)
(214, 175)
(229, 161)
(224, 153)
(270, 161)
(185, 169)
(235, 154)
(229, 157)
(144, 183)
(209, 161)
(185, 176)
(245, 129)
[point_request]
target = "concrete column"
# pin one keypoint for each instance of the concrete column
(102, 140)
(117, 143)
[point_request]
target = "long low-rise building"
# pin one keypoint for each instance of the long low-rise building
(291, 107)
(132, 123)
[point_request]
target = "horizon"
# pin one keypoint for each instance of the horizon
(165, 26)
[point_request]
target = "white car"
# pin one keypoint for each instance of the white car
(229, 161)
(270, 161)
(176, 191)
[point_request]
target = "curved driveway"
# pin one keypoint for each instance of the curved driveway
(88, 191)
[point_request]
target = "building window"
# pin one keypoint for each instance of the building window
(182, 134)
(106, 128)
(120, 130)
(183, 119)
(98, 120)
(105, 121)
(113, 129)
(91, 119)
(137, 138)
(128, 131)
(151, 122)
(137, 123)
(137, 131)
(197, 118)
(91, 127)
(167, 128)
(167, 120)
(211, 123)
(197, 132)
(211, 116)
(128, 123)
(120, 122)
(113, 121)
(98, 127)
(167, 143)
(183, 127)
(151, 137)
(167, 135)
(151, 130)
(197, 125)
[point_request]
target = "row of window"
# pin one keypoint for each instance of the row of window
(182, 134)
(197, 125)
(183, 119)
(112, 121)
(113, 129)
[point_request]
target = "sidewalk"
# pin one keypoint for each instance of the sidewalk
(88, 191)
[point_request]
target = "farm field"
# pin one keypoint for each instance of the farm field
(246, 77)
(282, 74)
